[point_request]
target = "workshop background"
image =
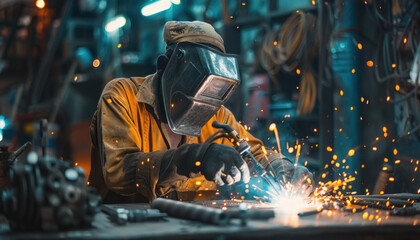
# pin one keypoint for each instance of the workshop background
(338, 78)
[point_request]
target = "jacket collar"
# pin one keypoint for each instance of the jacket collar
(147, 91)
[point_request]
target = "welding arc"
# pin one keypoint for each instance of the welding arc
(191, 211)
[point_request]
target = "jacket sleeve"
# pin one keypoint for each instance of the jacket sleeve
(126, 169)
(263, 155)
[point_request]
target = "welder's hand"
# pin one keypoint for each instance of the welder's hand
(303, 179)
(298, 176)
(217, 162)
(223, 165)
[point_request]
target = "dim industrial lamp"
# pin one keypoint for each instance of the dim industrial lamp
(158, 6)
(115, 23)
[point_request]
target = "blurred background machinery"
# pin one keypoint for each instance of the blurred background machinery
(339, 78)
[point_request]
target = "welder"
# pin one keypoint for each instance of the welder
(148, 133)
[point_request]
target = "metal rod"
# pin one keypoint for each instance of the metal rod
(191, 211)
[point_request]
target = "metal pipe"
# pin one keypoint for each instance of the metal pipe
(345, 58)
(24, 148)
(191, 211)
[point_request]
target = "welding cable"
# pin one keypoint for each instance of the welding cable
(218, 134)
(286, 47)
(307, 94)
(293, 44)
(265, 56)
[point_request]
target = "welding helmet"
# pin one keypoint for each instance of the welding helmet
(197, 80)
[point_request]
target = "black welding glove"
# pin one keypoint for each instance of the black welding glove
(217, 162)
(298, 176)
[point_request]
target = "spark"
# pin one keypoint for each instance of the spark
(273, 127)
(96, 63)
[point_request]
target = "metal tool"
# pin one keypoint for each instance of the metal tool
(122, 216)
(244, 214)
(208, 214)
(7, 159)
(244, 150)
(408, 211)
(400, 196)
(191, 211)
(47, 194)
(380, 203)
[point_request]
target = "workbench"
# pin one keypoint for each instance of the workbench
(328, 224)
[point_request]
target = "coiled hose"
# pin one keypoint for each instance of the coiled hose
(294, 44)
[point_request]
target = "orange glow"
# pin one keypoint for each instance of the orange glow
(359, 46)
(384, 129)
(394, 65)
(272, 127)
(75, 78)
(351, 152)
(397, 87)
(275, 43)
(405, 40)
(198, 163)
(353, 70)
(341, 92)
(335, 157)
(40, 4)
(119, 45)
(96, 63)
(369, 63)
(298, 71)
(329, 149)
(313, 2)
(391, 179)
(388, 98)
(395, 151)
(198, 183)
(362, 99)
(109, 100)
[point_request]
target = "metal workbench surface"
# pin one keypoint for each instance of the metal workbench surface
(333, 224)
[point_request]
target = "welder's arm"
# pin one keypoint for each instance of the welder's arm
(127, 169)
(282, 168)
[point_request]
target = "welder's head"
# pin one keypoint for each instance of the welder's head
(199, 76)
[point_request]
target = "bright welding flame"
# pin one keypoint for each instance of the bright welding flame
(292, 199)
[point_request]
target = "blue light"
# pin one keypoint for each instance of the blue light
(115, 23)
(2, 122)
(156, 7)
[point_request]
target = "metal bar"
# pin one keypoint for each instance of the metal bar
(12, 32)
(56, 35)
(191, 211)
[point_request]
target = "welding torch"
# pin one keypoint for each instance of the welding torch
(244, 149)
